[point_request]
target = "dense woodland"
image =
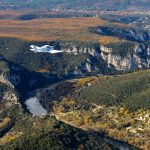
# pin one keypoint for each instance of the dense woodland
(131, 90)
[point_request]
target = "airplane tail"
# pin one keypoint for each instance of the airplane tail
(33, 47)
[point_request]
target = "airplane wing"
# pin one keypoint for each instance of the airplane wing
(55, 51)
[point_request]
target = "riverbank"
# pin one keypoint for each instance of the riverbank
(45, 92)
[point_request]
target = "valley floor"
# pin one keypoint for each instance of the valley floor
(116, 122)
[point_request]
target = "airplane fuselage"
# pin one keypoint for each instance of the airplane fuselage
(44, 49)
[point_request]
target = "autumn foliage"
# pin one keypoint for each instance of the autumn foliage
(50, 29)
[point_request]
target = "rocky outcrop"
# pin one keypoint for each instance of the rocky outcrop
(131, 54)
(11, 77)
(142, 22)
(9, 99)
(137, 59)
(18, 77)
(125, 33)
(4, 80)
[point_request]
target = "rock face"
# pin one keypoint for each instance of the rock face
(133, 34)
(18, 77)
(4, 80)
(139, 58)
(142, 22)
(132, 61)
(132, 53)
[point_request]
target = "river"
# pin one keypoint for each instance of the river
(34, 106)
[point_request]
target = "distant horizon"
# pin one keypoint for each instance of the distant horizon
(107, 5)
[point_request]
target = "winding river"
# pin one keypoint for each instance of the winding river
(34, 107)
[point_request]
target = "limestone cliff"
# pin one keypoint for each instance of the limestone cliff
(138, 58)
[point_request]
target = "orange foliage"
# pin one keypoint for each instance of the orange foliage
(52, 29)
(105, 40)
(43, 70)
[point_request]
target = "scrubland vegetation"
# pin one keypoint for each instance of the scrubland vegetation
(51, 29)
(115, 106)
(116, 122)
(73, 29)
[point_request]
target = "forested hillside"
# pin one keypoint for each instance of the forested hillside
(131, 90)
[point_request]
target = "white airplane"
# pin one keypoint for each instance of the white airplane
(44, 49)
